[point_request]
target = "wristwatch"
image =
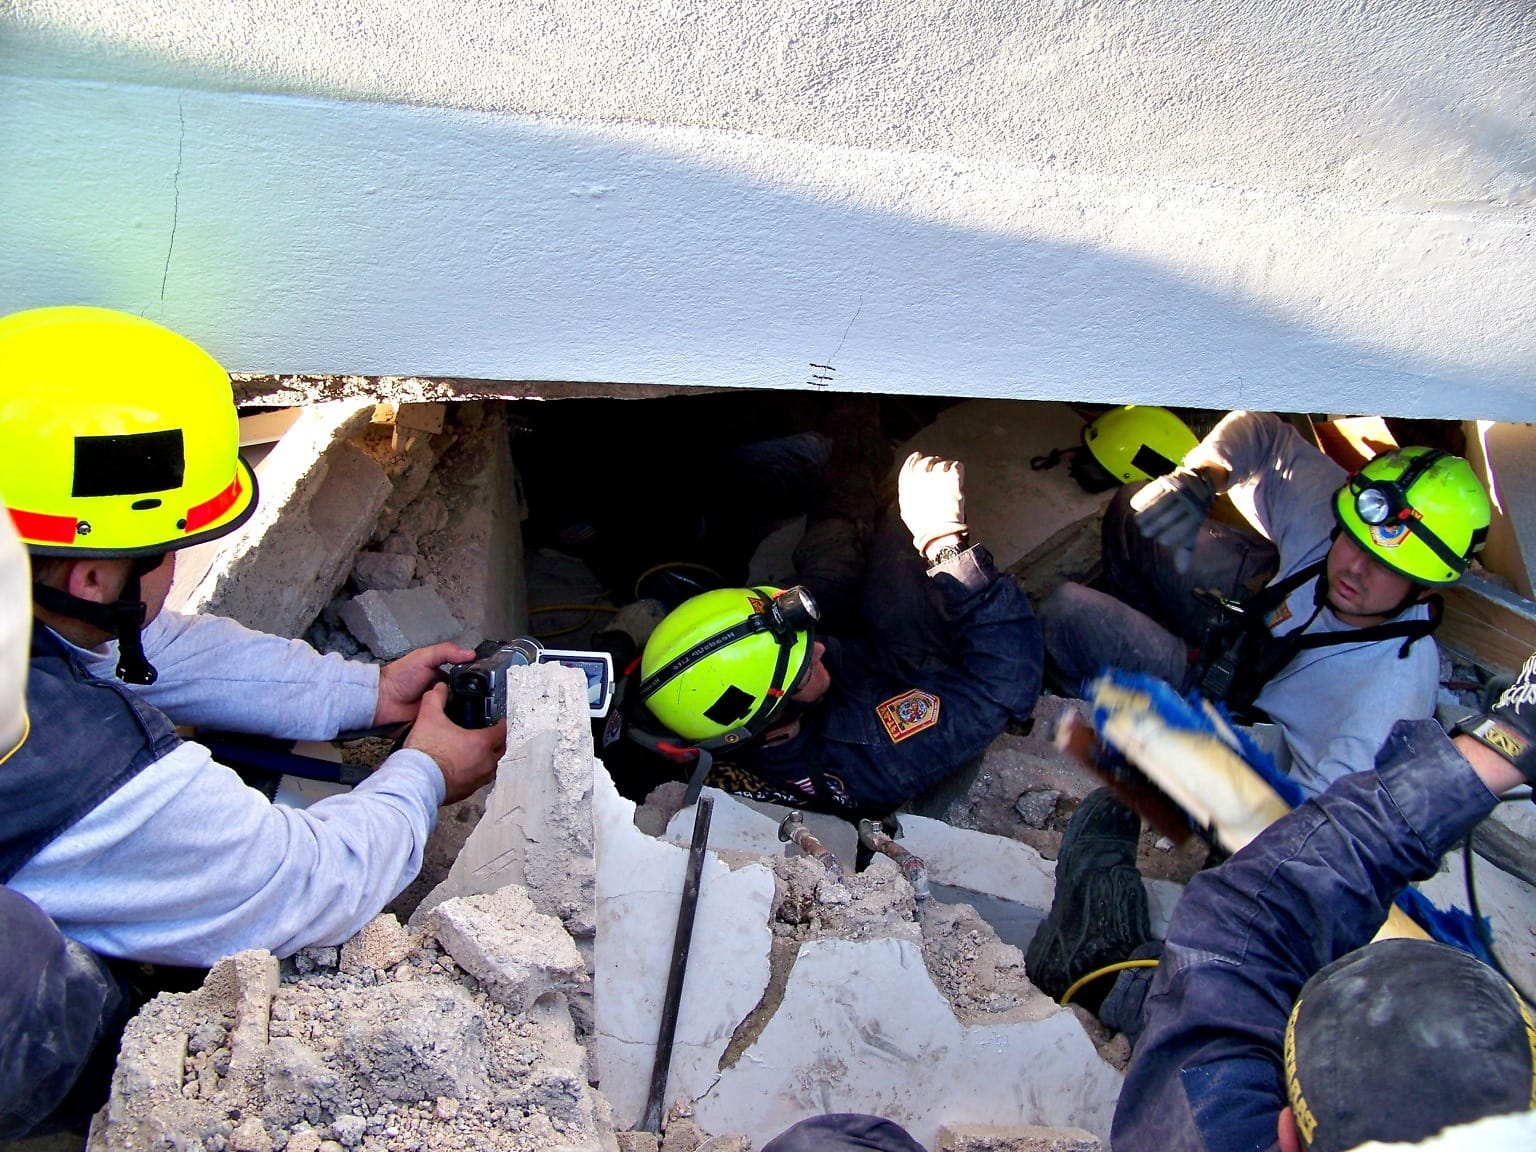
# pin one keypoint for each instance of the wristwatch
(945, 554)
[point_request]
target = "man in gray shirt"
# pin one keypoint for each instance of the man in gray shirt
(1334, 648)
(119, 446)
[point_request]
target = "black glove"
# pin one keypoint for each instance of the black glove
(1171, 510)
(1509, 727)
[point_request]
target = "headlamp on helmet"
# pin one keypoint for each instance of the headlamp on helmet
(1418, 511)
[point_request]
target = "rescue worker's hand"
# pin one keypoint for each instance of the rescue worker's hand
(402, 681)
(467, 757)
(1509, 728)
(1171, 510)
(932, 497)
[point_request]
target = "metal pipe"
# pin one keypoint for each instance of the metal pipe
(874, 838)
(792, 830)
(681, 942)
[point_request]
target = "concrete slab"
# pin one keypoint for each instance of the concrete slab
(639, 889)
(1507, 839)
(385, 571)
(981, 863)
(319, 496)
(393, 623)
(1011, 508)
(517, 953)
(474, 557)
(861, 1028)
(537, 828)
(1508, 901)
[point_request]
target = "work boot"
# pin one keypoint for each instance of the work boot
(1099, 914)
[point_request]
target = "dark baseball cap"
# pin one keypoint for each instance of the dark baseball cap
(1403, 1038)
(844, 1132)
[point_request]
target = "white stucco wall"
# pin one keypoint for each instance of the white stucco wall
(1202, 203)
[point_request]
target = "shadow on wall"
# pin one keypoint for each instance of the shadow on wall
(301, 235)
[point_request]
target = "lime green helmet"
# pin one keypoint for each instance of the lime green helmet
(1419, 511)
(718, 666)
(1136, 442)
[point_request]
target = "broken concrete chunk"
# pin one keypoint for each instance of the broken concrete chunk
(349, 1130)
(320, 494)
(426, 417)
(537, 827)
(834, 1029)
(419, 1042)
(989, 1138)
(379, 944)
(250, 1136)
(393, 623)
(300, 1087)
(383, 571)
(681, 1135)
(307, 960)
(1037, 806)
(638, 1141)
(639, 886)
(517, 953)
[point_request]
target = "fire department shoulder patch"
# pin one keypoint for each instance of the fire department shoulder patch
(908, 714)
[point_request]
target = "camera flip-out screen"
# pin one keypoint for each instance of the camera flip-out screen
(598, 667)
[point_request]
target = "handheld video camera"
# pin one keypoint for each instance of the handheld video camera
(477, 690)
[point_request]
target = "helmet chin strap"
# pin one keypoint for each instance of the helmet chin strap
(123, 618)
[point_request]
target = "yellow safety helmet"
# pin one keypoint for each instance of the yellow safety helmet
(1419, 511)
(717, 667)
(118, 437)
(1138, 442)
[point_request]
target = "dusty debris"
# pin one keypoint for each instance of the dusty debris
(988, 1138)
(417, 1055)
(381, 943)
(982, 978)
(1113, 1047)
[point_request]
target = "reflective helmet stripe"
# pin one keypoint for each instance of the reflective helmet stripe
(42, 528)
(201, 515)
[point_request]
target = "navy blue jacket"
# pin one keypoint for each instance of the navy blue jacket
(880, 737)
(1207, 1072)
(62, 1011)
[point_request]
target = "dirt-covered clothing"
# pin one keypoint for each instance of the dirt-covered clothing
(897, 721)
(1208, 1071)
(62, 1010)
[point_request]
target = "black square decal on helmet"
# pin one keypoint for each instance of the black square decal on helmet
(731, 706)
(129, 465)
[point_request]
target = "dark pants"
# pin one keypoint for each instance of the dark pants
(1151, 612)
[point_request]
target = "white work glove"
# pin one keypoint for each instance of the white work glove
(932, 497)
(1171, 510)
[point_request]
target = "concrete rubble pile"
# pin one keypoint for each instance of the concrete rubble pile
(381, 528)
(519, 1009)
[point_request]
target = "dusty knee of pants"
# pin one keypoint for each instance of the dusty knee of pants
(1065, 610)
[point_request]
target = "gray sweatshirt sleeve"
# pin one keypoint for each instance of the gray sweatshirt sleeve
(1281, 483)
(217, 673)
(185, 864)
